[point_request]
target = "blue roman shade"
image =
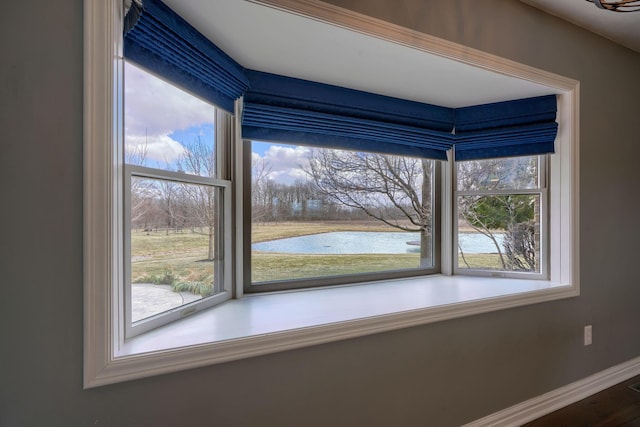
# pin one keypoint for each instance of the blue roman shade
(284, 109)
(161, 41)
(513, 128)
(289, 110)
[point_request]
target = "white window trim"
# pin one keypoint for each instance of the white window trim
(542, 189)
(223, 261)
(106, 363)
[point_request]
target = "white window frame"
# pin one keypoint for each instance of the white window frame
(317, 281)
(106, 363)
(542, 190)
(223, 262)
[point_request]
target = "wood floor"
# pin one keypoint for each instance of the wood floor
(616, 406)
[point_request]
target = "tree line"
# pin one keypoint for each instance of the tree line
(352, 186)
(176, 206)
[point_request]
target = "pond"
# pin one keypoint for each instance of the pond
(368, 242)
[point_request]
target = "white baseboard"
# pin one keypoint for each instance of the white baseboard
(539, 406)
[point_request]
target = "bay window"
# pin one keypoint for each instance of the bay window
(276, 183)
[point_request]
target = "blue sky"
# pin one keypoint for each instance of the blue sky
(284, 161)
(260, 148)
(187, 136)
(166, 119)
(162, 117)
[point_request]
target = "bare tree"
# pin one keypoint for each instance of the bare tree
(392, 189)
(260, 170)
(136, 154)
(521, 246)
(511, 214)
(142, 191)
(199, 201)
(169, 203)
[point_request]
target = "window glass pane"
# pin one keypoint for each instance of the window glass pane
(324, 212)
(174, 245)
(498, 174)
(165, 127)
(499, 232)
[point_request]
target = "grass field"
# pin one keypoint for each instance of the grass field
(178, 257)
(270, 266)
(173, 258)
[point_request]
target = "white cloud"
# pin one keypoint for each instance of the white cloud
(155, 109)
(289, 176)
(159, 148)
(287, 157)
(285, 162)
(255, 157)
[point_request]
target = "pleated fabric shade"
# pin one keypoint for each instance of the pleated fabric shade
(284, 109)
(505, 129)
(289, 110)
(159, 40)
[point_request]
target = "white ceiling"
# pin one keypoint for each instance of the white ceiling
(623, 28)
(266, 39)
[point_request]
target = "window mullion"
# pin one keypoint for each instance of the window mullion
(499, 192)
(449, 212)
(146, 172)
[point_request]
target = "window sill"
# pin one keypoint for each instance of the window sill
(267, 323)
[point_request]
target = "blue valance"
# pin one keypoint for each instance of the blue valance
(284, 109)
(505, 129)
(158, 39)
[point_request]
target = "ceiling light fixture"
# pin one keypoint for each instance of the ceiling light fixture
(618, 6)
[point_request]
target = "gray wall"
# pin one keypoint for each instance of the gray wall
(442, 374)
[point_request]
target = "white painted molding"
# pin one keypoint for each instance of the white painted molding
(99, 54)
(540, 406)
(370, 26)
(97, 20)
